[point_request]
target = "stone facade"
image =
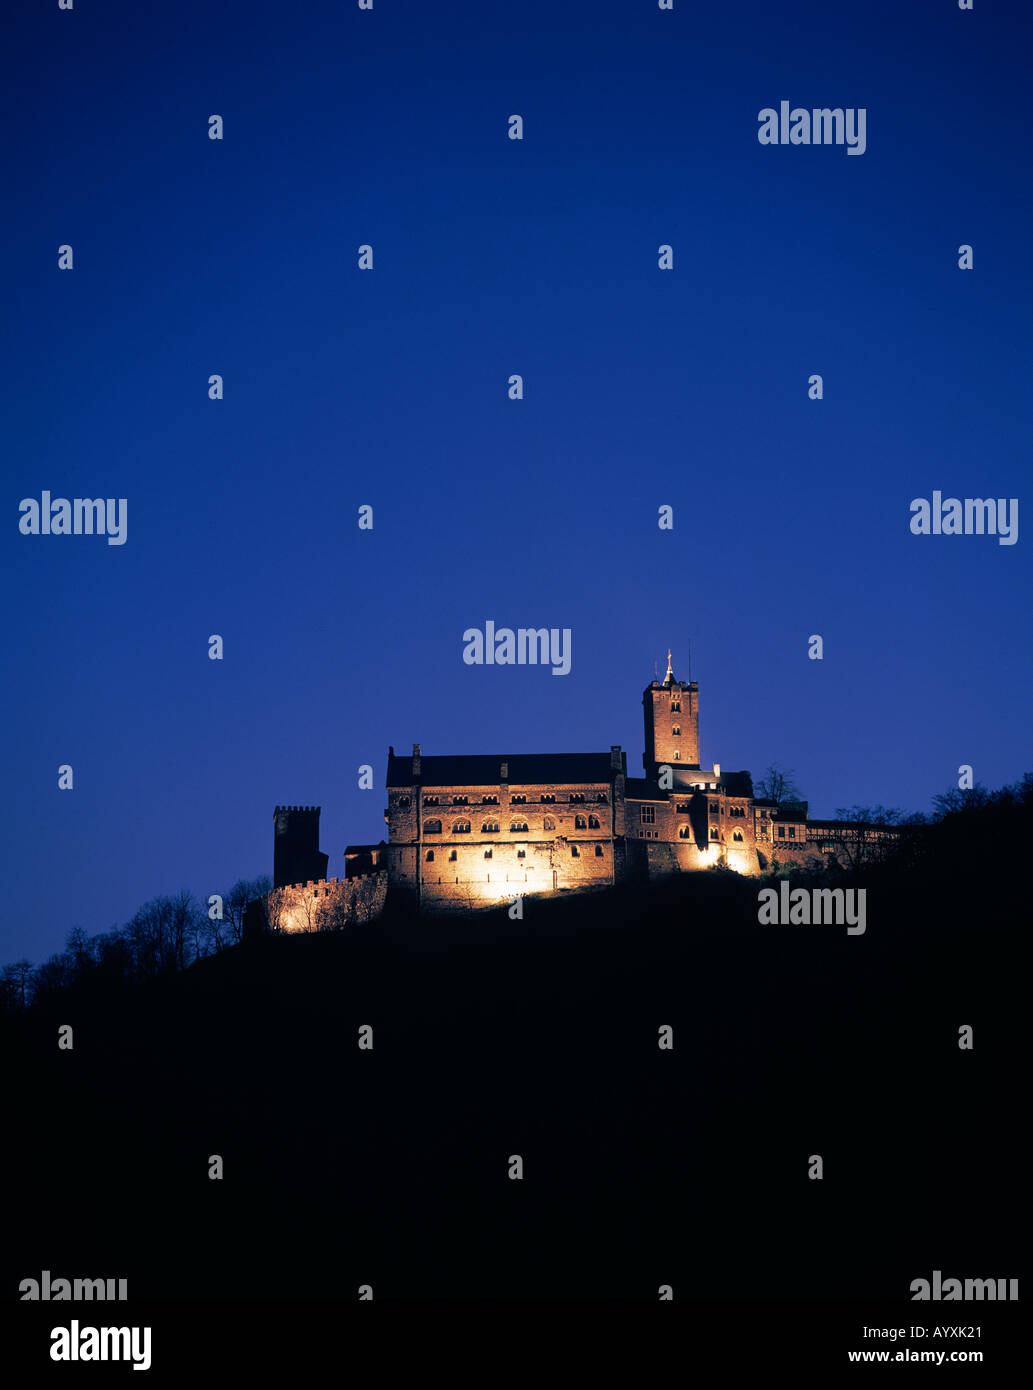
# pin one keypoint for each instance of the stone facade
(319, 904)
(469, 831)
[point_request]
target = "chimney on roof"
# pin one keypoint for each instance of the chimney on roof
(615, 757)
(717, 769)
(504, 772)
(416, 761)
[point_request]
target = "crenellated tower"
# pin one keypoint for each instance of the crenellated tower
(296, 854)
(670, 712)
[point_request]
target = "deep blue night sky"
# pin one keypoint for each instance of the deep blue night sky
(643, 387)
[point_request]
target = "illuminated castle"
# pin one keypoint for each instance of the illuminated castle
(470, 830)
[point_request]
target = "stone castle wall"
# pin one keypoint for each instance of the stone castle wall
(321, 904)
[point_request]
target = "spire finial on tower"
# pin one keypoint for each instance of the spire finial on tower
(669, 676)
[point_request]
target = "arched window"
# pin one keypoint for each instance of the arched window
(404, 803)
(577, 796)
(575, 853)
(737, 836)
(548, 823)
(677, 756)
(593, 822)
(684, 832)
(676, 731)
(580, 823)
(490, 827)
(598, 851)
(713, 832)
(432, 827)
(517, 826)
(461, 827)
(430, 856)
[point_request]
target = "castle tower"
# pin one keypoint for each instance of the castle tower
(296, 854)
(670, 713)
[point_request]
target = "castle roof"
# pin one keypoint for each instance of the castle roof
(729, 783)
(485, 769)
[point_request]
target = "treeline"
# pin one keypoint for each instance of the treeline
(969, 820)
(166, 935)
(983, 833)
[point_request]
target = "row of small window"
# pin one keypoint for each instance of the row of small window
(575, 853)
(546, 798)
(648, 813)
(491, 827)
(685, 833)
